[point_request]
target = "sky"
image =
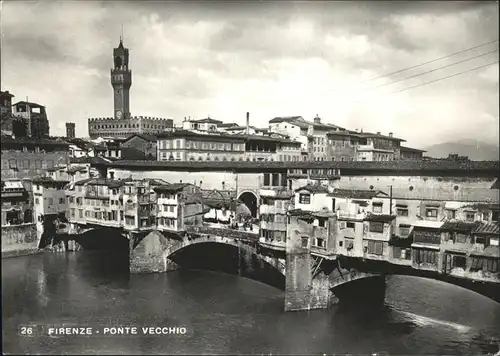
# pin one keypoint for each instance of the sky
(283, 58)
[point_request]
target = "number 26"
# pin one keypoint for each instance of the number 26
(26, 330)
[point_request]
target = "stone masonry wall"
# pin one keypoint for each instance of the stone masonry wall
(19, 240)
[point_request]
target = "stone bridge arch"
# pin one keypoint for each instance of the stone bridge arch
(91, 237)
(157, 253)
(342, 272)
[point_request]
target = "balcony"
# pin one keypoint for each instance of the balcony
(91, 195)
(350, 216)
(272, 244)
(271, 209)
(276, 192)
(323, 173)
(275, 226)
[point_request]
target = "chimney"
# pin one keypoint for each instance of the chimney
(378, 133)
(390, 134)
(317, 119)
(248, 124)
(361, 131)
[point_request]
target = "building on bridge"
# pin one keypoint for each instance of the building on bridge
(179, 207)
(422, 233)
(134, 205)
(17, 207)
(50, 207)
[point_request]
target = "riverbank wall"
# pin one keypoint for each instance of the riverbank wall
(19, 240)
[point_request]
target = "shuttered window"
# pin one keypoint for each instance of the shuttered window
(375, 247)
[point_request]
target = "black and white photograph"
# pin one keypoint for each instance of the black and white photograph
(250, 177)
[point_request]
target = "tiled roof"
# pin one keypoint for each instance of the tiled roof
(146, 137)
(112, 183)
(174, 187)
(32, 105)
(208, 120)
(83, 181)
(91, 160)
(225, 124)
(188, 133)
(41, 180)
(379, 217)
(485, 206)
(409, 149)
(313, 188)
(32, 141)
(458, 225)
(76, 169)
(371, 134)
(285, 118)
(487, 228)
(304, 124)
(356, 193)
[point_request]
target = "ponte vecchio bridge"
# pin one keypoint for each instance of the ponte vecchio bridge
(309, 241)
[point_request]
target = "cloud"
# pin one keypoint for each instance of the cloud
(268, 58)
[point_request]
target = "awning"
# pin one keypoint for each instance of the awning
(455, 252)
(453, 205)
(428, 224)
(13, 185)
(427, 247)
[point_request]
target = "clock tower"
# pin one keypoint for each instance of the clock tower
(121, 80)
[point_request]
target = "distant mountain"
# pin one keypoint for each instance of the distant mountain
(475, 150)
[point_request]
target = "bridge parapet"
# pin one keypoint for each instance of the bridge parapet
(228, 233)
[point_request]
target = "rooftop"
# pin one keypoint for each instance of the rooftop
(459, 225)
(30, 104)
(313, 188)
(487, 228)
(409, 149)
(150, 138)
(174, 187)
(6, 93)
(112, 183)
(9, 140)
(304, 124)
(379, 217)
(89, 160)
(207, 120)
(356, 193)
(223, 135)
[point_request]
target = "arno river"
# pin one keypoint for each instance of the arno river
(229, 314)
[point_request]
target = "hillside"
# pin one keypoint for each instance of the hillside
(475, 150)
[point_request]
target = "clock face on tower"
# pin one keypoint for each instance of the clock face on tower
(118, 114)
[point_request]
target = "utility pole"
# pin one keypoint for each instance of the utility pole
(390, 200)
(28, 111)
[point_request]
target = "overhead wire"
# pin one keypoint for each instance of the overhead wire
(429, 62)
(424, 63)
(438, 80)
(434, 70)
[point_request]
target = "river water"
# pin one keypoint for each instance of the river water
(228, 314)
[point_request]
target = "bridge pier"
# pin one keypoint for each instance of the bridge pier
(149, 251)
(305, 287)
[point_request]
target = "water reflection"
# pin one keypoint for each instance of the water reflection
(230, 314)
